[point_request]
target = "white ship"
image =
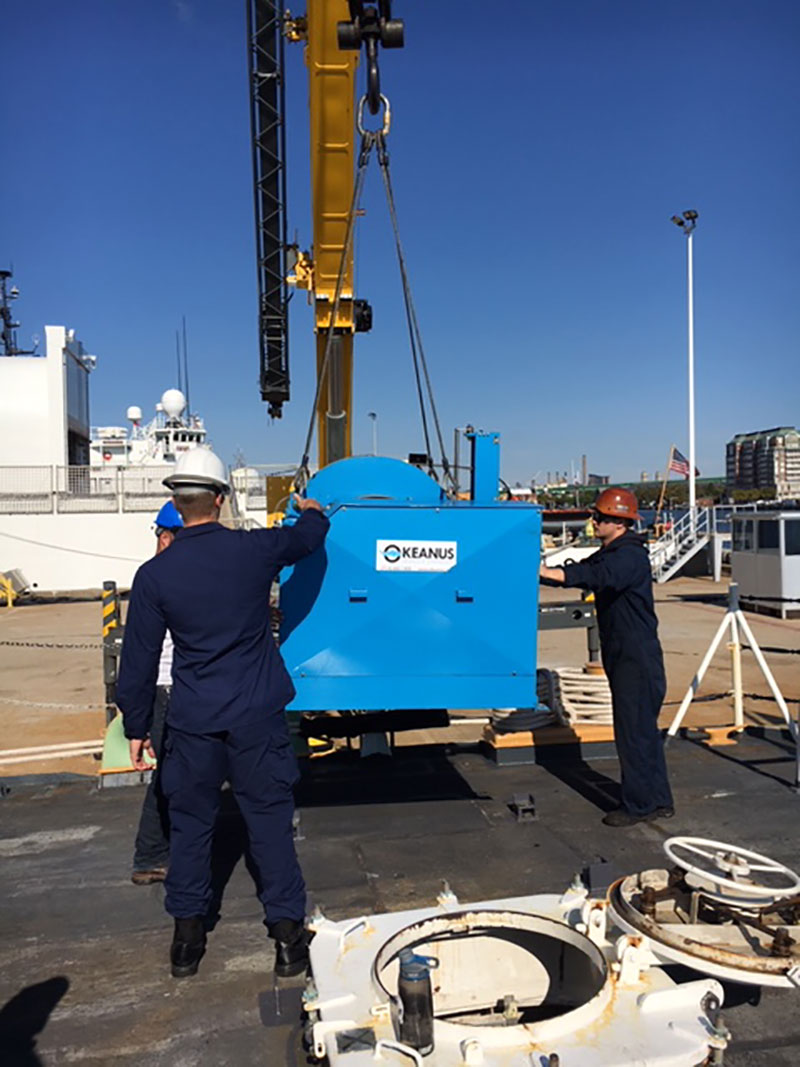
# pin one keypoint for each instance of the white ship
(77, 503)
(160, 441)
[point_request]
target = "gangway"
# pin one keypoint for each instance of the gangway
(680, 543)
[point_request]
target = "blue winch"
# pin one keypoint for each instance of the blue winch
(418, 600)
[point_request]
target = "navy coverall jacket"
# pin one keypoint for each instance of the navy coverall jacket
(211, 590)
(620, 577)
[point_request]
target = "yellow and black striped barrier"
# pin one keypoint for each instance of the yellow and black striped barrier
(115, 767)
(111, 616)
(112, 643)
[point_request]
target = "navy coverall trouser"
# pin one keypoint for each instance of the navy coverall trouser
(638, 686)
(259, 762)
(151, 849)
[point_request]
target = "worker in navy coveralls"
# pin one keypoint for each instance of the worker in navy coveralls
(619, 575)
(151, 849)
(225, 719)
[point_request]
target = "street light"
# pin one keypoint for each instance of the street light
(374, 416)
(687, 222)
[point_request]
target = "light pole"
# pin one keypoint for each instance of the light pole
(687, 223)
(374, 416)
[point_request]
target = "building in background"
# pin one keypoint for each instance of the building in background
(767, 459)
(598, 479)
(44, 404)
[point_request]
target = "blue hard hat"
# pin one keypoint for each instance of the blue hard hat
(169, 517)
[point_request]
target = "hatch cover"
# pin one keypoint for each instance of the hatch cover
(724, 910)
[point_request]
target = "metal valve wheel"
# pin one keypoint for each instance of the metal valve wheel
(729, 867)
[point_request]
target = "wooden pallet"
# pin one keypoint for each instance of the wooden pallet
(580, 733)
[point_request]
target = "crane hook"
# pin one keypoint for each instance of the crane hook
(371, 26)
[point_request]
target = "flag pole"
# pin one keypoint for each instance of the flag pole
(664, 484)
(690, 307)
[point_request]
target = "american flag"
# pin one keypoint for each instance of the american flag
(680, 464)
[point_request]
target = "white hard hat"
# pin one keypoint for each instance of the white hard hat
(198, 468)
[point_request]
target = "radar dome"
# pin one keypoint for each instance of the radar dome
(173, 402)
(134, 413)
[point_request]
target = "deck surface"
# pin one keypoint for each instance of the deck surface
(85, 977)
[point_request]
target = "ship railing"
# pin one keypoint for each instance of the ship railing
(26, 490)
(43, 490)
(86, 489)
(141, 487)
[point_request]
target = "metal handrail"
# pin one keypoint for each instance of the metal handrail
(711, 522)
(682, 535)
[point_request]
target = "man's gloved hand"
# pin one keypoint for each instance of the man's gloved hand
(304, 503)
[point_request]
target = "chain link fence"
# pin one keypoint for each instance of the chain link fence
(26, 490)
(69, 490)
(142, 489)
(39, 490)
(86, 489)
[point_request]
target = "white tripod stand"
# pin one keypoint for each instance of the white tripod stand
(735, 621)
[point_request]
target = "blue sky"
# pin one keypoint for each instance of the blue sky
(538, 151)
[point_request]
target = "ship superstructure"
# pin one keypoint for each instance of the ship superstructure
(171, 431)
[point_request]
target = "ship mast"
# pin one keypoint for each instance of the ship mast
(8, 333)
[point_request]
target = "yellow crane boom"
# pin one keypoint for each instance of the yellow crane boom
(333, 32)
(331, 105)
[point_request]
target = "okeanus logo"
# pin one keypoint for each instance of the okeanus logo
(431, 556)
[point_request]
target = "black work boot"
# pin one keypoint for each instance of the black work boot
(188, 947)
(621, 817)
(291, 946)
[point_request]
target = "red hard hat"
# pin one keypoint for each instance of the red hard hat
(617, 504)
